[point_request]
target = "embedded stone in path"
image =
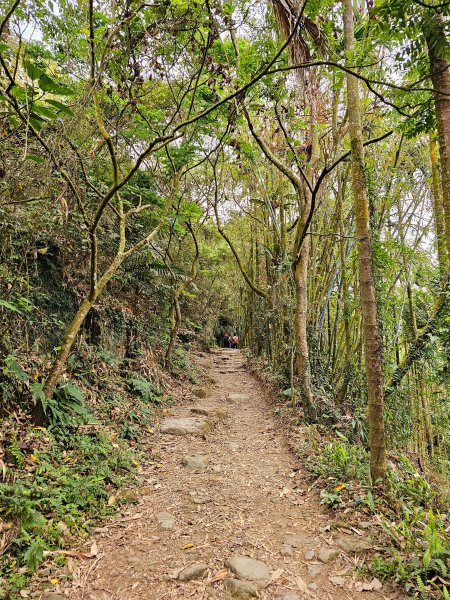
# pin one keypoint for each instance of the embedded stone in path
(314, 571)
(298, 540)
(185, 426)
(248, 568)
(352, 545)
(240, 589)
(196, 463)
(195, 571)
(290, 596)
(206, 411)
(200, 392)
(326, 555)
(237, 397)
(165, 520)
(51, 596)
(286, 550)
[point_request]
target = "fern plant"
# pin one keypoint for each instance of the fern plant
(16, 453)
(145, 389)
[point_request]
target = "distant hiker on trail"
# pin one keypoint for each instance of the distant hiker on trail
(226, 340)
(235, 341)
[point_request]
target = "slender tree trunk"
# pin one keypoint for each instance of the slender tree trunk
(176, 323)
(426, 420)
(371, 333)
(175, 328)
(344, 294)
(440, 77)
(59, 364)
(301, 337)
(438, 209)
(74, 327)
(97, 288)
(61, 359)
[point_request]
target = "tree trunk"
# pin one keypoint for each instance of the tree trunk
(73, 328)
(301, 337)
(176, 323)
(438, 209)
(340, 396)
(440, 77)
(371, 333)
(175, 328)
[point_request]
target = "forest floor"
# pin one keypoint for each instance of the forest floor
(234, 491)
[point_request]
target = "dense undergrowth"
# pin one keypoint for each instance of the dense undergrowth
(58, 481)
(410, 512)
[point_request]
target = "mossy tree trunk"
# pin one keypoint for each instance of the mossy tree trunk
(438, 210)
(440, 77)
(371, 332)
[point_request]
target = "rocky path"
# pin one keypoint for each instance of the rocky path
(223, 512)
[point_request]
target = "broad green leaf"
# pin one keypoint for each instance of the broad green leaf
(47, 84)
(36, 121)
(72, 390)
(44, 111)
(10, 306)
(18, 92)
(13, 367)
(33, 157)
(32, 70)
(62, 107)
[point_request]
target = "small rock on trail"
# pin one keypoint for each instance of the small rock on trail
(195, 571)
(196, 463)
(326, 555)
(314, 571)
(200, 392)
(165, 520)
(237, 397)
(352, 545)
(287, 550)
(298, 540)
(241, 589)
(248, 568)
(185, 426)
(206, 411)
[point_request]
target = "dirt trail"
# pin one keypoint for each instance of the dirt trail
(247, 501)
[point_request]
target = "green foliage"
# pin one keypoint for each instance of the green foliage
(420, 556)
(411, 512)
(65, 409)
(71, 485)
(181, 365)
(341, 461)
(147, 390)
(21, 305)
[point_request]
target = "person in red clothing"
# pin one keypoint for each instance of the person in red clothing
(235, 340)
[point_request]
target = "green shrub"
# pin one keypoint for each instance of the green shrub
(68, 484)
(339, 460)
